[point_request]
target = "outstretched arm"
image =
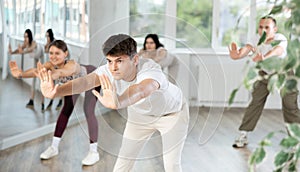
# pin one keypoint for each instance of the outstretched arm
(242, 52)
(16, 51)
(14, 69)
(156, 55)
(18, 73)
(75, 86)
(30, 49)
(131, 95)
(69, 69)
(276, 51)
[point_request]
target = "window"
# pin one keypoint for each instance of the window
(9, 15)
(233, 23)
(146, 16)
(67, 18)
(199, 23)
(194, 23)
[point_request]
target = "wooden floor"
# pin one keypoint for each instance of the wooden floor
(15, 118)
(207, 148)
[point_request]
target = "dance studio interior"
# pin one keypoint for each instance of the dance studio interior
(234, 64)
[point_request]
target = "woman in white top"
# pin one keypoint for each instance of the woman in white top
(153, 49)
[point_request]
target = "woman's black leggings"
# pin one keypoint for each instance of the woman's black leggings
(89, 110)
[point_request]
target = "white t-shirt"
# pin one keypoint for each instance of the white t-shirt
(167, 99)
(265, 48)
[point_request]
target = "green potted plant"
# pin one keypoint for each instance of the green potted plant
(279, 79)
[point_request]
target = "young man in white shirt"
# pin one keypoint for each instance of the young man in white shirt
(153, 103)
(260, 90)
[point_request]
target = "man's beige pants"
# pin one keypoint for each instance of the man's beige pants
(139, 129)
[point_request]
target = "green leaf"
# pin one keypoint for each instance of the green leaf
(271, 64)
(275, 43)
(278, 169)
(252, 74)
(298, 153)
(290, 63)
(281, 158)
(265, 142)
(270, 135)
(298, 71)
(280, 80)
(260, 155)
(288, 24)
(272, 82)
(250, 77)
(291, 84)
(252, 158)
(294, 129)
(257, 156)
(262, 38)
(232, 96)
(289, 142)
(276, 9)
(292, 167)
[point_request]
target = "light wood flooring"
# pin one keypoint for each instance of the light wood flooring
(207, 148)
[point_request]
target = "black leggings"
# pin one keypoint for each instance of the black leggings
(89, 111)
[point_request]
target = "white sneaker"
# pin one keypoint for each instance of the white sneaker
(49, 153)
(240, 142)
(91, 158)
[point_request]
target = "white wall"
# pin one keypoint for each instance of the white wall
(207, 79)
(106, 18)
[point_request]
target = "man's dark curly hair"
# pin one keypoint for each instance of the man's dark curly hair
(118, 45)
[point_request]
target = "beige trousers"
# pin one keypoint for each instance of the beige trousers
(139, 129)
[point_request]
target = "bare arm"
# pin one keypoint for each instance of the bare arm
(75, 86)
(136, 92)
(78, 85)
(16, 51)
(18, 73)
(156, 55)
(69, 69)
(238, 54)
(47, 47)
(276, 51)
(30, 73)
(131, 95)
(30, 49)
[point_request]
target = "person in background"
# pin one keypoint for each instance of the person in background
(49, 39)
(64, 70)
(154, 49)
(30, 47)
(260, 91)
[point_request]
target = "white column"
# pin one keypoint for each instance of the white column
(4, 43)
(170, 24)
(252, 20)
(106, 18)
(215, 24)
